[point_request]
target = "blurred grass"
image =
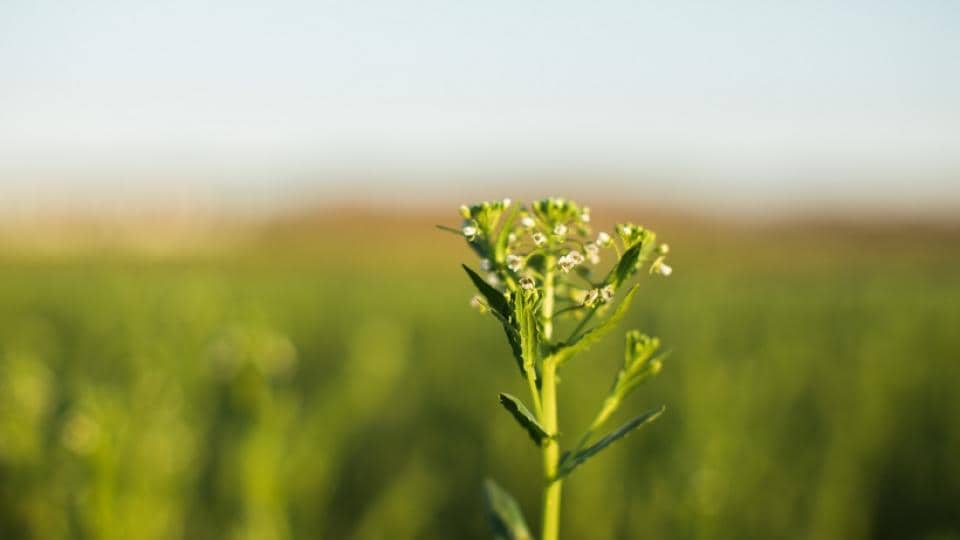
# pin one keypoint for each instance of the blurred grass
(324, 378)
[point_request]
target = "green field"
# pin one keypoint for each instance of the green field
(327, 379)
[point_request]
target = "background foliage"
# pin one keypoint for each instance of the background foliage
(326, 379)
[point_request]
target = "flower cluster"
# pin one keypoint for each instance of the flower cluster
(520, 244)
(568, 261)
(595, 297)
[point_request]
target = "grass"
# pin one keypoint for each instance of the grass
(328, 380)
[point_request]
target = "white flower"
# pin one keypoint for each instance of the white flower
(560, 229)
(492, 279)
(593, 252)
(511, 238)
(591, 297)
(486, 265)
(514, 262)
(664, 269)
(506, 203)
(528, 222)
(539, 238)
(603, 239)
(527, 283)
(568, 261)
(585, 215)
(470, 232)
(607, 293)
(663, 249)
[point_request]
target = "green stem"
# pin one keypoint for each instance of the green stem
(583, 323)
(534, 394)
(548, 398)
(546, 315)
(609, 406)
(551, 455)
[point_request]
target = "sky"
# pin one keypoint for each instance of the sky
(742, 104)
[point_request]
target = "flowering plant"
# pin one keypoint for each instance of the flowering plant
(540, 266)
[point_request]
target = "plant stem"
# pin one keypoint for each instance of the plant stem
(548, 398)
(583, 323)
(546, 315)
(551, 454)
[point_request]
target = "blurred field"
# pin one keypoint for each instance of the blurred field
(325, 378)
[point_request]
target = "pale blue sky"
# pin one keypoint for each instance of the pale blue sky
(857, 102)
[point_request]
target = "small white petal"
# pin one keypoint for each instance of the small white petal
(591, 297)
(607, 293)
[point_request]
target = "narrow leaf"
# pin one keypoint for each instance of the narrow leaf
(625, 267)
(584, 342)
(572, 461)
(526, 317)
(525, 418)
(506, 518)
(632, 259)
(501, 307)
(495, 299)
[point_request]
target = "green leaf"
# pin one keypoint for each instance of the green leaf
(584, 342)
(525, 307)
(625, 267)
(571, 461)
(506, 518)
(495, 299)
(525, 418)
(499, 304)
(632, 259)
